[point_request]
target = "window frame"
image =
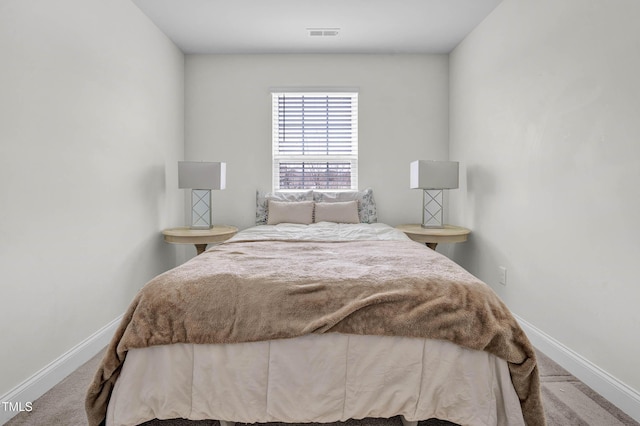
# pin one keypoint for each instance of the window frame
(308, 154)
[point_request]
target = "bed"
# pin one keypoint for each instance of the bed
(317, 322)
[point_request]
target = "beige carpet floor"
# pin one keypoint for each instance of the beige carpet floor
(567, 401)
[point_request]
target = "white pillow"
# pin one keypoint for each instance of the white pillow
(290, 212)
(366, 204)
(262, 206)
(339, 212)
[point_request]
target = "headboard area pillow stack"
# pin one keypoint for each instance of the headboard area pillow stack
(341, 212)
(366, 204)
(262, 202)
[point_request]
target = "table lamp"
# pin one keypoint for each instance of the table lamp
(433, 177)
(201, 177)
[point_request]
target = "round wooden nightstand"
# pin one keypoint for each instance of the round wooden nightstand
(199, 237)
(432, 236)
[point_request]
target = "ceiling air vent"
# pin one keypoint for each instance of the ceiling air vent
(323, 32)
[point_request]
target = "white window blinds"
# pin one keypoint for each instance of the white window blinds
(315, 140)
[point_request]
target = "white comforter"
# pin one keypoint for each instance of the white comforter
(322, 231)
(315, 378)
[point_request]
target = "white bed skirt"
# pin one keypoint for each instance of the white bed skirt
(316, 378)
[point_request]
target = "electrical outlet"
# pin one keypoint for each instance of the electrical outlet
(502, 275)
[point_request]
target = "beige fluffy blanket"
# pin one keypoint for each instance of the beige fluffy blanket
(250, 291)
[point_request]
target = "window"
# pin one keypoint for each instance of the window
(315, 140)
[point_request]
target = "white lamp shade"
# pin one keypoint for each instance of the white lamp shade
(430, 174)
(202, 175)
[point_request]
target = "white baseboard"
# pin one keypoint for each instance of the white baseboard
(618, 393)
(42, 381)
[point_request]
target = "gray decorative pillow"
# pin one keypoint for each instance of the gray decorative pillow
(262, 208)
(366, 204)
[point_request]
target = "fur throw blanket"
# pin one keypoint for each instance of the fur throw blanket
(251, 291)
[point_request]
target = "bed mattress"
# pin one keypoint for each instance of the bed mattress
(317, 323)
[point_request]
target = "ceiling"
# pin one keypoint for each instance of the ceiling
(283, 26)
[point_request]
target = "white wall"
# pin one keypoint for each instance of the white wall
(91, 129)
(403, 116)
(544, 106)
